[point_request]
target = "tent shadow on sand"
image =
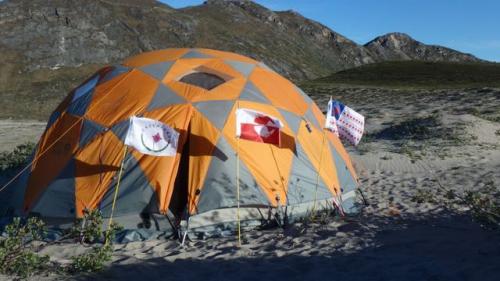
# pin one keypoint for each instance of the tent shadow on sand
(441, 247)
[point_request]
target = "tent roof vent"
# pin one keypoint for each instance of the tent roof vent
(203, 80)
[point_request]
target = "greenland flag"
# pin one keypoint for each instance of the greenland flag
(344, 122)
(152, 137)
(257, 126)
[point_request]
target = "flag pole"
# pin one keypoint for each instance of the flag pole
(238, 183)
(117, 187)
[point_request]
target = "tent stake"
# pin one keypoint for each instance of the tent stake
(185, 233)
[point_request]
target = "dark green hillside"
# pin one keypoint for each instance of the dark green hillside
(417, 74)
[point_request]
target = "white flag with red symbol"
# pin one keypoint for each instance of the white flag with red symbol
(257, 126)
(152, 137)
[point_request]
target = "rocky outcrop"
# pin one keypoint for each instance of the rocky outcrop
(400, 46)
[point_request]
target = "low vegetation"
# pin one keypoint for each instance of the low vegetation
(19, 251)
(89, 230)
(418, 129)
(491, 113)
(16, 159)
(419, 136)
(418, 74)
(482, 203)
(17, 254)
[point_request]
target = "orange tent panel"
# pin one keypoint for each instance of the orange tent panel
(154, 57)
(202, 140)
(279, 91)
(122, 100)
(96, 165)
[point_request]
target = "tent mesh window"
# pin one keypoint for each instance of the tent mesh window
(203, 80)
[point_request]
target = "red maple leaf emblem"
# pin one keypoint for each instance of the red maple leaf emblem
(157, 137)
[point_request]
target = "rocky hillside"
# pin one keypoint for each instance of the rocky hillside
(47, 47)
(400, 46)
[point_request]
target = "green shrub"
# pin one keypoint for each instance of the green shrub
(483, 203)
(424, 196)
(92, 261)
(17, 158)
(89, 230)
(17, 257)
(485, 207)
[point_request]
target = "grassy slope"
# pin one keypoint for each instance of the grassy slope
(416, 74)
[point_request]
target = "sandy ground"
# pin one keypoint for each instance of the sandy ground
(396, 237)
(16, 132)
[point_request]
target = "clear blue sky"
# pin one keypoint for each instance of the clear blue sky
(466, 25)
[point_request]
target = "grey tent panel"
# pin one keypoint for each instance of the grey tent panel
(79, 106)
(117, 70)
(242, 67)
(52, 119)
(135, 194)
(304, 184)
(263, 65)
(349, 203)
(85, 88)
(346, 179)
(219, 188)
(121, 129)
(215, 111)
(163, 97)
(251, 93)
(312, 119)
(58, 199)
(195, 55)
(89, 131)
(291, 119)
(158, 70)
(12, 197)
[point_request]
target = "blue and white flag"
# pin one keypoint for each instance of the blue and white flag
(344, 122)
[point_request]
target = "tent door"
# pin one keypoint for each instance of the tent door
(179, 199)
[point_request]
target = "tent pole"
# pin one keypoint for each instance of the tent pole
(238, 184)
(117, 187)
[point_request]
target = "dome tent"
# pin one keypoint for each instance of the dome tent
(196, 92)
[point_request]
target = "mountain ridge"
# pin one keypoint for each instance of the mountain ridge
(48, 47)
